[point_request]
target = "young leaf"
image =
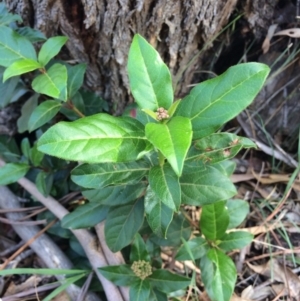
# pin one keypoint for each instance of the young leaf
(75, 79)
(219, 147)
(95, 139)
(122, 223)
(165, 184)
(43, 113)
(150, 79)
(214, 220)
(159, 216)
(121, 275)
(139, 290)
(53, 82)
(20, 67)
(235, 240)
(104, 174)
(139, 250)
(237, 210)
(200, 187)
(216, 101)
(218, 275)
(172, 140)
(168, 282)
(14, 47)
(198, 247)
(115, 195)
(12, 172)
(50, 49)
(85, 216)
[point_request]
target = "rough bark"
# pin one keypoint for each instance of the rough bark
(101, 31)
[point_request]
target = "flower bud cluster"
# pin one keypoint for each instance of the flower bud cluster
(142, 269)
(162, 114)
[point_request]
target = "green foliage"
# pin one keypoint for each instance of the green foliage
(134, 173)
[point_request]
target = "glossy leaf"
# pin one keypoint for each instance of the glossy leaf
(197, 247)
(159, 216)
(219, 147)
(6, 18)
(165, 185)
(121, 275)
(12, 172)
(218, 275)
(115, 195)
(27, 108)
(214, 102)
(168, 282)
(149, 77)
(50, 49)
(172, 140)
(205, 186)
(20, 67)
(235, 240)
(214, 220)
(139, 290)
(85, 216)
(104, 174)
(237, 210)
(75, 78)
(122, 223)
(14, 47)
(43, 113)
(7, 89)
(139, 249)
(97, 138)
(53, 82)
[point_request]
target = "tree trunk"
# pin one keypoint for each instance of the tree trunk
(100, 33)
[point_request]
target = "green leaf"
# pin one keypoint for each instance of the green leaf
(235, 240)
(104, 174)
(156, 295)
(168, 282)
(165, 184)
(26, 111)
(43, 113)
(237, 210)
(52, 83)
(95, 139)
(33, 35)
(115, 196)
(50, 49)
(159, 215)
(44, 182)
(205, 186)
(198, 247)
(75, 78)
(93, 103)
(139, 249)
(20, 67)
(218, 275)
(179, 229)
(6, 18)
(14, 47)
(36, 156)
(25, 147)
(85, 216)
(150, 79)
(214, 220)
(122, 223)
(139, 290)
(214, 102)
(121, 275)
(7, 89)
(50, 272)
(12, 172)
(172, 140)
(68, 108)
(219, 147)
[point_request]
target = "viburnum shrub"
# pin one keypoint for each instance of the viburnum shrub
(137, 173)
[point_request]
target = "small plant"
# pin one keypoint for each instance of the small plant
(136, 173)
